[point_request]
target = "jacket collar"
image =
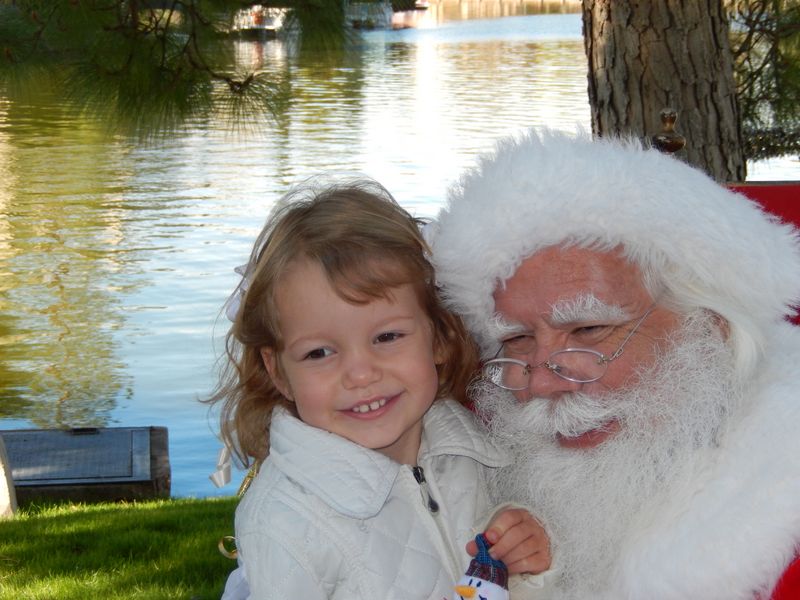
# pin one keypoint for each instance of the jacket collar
(356, 481)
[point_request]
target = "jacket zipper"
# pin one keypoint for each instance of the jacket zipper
(419, 475)
(448, 552)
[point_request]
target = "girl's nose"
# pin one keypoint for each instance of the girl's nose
(361, 371)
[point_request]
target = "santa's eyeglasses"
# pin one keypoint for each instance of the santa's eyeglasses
(579, 365)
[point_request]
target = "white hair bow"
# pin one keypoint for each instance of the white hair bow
(234, 302)
(222, 475)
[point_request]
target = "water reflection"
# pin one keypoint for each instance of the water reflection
(61, 273)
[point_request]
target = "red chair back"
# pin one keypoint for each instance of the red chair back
(781, 198)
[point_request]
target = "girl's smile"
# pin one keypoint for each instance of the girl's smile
(370, 406)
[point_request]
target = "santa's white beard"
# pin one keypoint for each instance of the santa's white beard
(591, 499)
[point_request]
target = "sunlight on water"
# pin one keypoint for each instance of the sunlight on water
(117, 257)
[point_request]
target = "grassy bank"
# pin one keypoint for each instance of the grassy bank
(146, 550)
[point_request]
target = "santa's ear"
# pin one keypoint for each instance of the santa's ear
(723, 325)
(272, 363)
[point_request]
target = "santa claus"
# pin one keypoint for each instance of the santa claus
(638, 365)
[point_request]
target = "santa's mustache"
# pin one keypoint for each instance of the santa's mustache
(571, 415)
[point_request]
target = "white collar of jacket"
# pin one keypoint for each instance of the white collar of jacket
(734, 524)
(356, 481)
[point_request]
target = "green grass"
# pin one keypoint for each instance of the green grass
(155, 550)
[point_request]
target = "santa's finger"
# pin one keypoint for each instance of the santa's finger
(528, 531)
(538, 563)
(504, 521)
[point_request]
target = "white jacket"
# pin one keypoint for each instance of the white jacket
(328, 519)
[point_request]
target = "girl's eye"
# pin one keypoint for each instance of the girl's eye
(389, 336)
(318, 353)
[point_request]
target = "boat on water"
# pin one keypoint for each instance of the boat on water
(258, 22)
(369, 15)
(264, 22)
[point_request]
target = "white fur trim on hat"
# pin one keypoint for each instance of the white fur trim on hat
(709, 246)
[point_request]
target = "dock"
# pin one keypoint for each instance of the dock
(90, 464)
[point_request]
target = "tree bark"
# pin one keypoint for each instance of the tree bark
(646, 55)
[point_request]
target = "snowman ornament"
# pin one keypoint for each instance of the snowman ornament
(485, 578)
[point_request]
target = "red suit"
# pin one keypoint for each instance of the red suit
(778, 198)
(788, 587)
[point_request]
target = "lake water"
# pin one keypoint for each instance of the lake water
(116, 257)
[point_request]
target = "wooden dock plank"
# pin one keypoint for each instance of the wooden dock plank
(89, 464)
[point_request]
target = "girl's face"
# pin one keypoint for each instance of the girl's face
(366, 372)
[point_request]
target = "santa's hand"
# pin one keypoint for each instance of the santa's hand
(519, 540)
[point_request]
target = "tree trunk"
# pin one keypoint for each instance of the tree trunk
(646, 55)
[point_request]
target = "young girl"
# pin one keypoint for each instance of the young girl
(345, 378)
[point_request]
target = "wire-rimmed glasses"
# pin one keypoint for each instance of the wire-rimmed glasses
(579, 365)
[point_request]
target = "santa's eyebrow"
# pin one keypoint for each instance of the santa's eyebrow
(501, 328)
(585, 307)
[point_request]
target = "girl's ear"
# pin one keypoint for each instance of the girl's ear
(270, 359)
(440, 354)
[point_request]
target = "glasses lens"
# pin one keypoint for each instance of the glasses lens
(507, 375)
(581, 366)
